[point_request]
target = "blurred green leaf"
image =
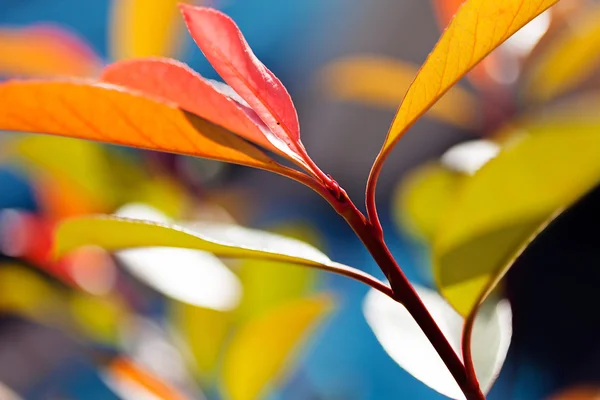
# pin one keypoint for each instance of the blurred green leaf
(505, 203)
(223, 240)
(423, 198)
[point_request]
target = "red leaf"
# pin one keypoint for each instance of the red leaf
(174, 81)
(224, 46)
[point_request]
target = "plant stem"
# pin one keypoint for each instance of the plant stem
(405, 294)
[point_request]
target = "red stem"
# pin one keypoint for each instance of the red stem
(404, 293)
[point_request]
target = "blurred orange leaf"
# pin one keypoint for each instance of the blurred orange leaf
(478, 28)
(569, 59)
(110, 114)
(127, 373)
(174, 81)
(498, 210)
(43, 51)
(384, 81)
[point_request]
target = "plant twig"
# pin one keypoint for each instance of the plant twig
(371, 235)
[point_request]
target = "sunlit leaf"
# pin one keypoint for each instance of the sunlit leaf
(263, 349)
(506, 202)
(230, 241)
(567, 60)
(176, 82)
(406, 343)
(141, 28)
(110, 114)
(478, 28)
(45, 51)
(224, 46)
(383, 82)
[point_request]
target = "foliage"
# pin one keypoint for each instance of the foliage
(477, 217)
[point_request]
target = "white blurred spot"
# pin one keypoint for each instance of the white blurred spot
(152, 347)
(523, 41)
(127, 389)
(468, 157)
(6, 393)
(406, 344)
(141, 211)
(505, 71)
(191, 276)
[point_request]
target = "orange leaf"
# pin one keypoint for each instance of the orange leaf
(224, 46)
(110, 114)
(174, 81)
(43, 50)
(445, 11)
(124, 370)
(478, 27)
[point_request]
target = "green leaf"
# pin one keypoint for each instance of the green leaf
(223, 240)
(504, 205)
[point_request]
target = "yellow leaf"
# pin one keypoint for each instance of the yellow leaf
(98, 317)
(383, 82)
(24, 292)
(111, 114)
(45, 51)
(267, 284)
(75, 162)
(568, 60)
(478, 27)
(142, 28)
(262, 351)
(204, 331)
(423, 198)
(505, 203)
(223, 240)
(162, 193)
